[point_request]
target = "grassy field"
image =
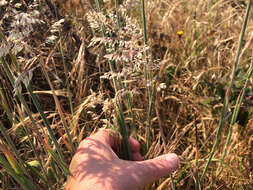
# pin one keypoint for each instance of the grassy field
(175, 75)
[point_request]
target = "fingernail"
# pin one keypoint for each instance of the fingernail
(172, 160)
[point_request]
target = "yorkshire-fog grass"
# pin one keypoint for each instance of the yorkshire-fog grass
(172, 74)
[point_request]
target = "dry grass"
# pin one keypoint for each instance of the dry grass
(66, 66)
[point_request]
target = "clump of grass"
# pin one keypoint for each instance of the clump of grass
(227, 99)
(74, 74)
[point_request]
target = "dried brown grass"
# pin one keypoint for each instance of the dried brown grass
(195, 68)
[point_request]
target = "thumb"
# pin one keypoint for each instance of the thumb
(149, 171)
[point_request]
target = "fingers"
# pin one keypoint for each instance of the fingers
(135, 148)
(111, 139)
(134, 144)
(151, 170)
(105, 136)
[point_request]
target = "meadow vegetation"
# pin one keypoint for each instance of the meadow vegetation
(175, 75)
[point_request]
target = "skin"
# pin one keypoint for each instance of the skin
(96, 166)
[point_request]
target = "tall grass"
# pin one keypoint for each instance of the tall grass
(123, 65)
(148, 73)
(223, 116)
(125, 149)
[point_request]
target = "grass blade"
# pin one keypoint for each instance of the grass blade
(228, 93)
(22, 180)
(11, 78)
(148, 73)
(121, 120)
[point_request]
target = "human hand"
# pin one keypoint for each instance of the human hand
(96, 166)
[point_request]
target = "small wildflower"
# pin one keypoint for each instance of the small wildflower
(180, 33)
(161, 86)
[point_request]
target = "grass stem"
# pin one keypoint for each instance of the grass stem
(228, 93)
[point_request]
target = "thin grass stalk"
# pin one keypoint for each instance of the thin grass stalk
(99, 10)
(37, 173)
(11, 78)
(195, 36)
(150, 109)
(66, 75)
(123, 127)
(157, 105)
(233, 170)
(59, 158)
(59, 109)
(54, 171)
(123, 131)
(7, 71)
(148, 74)
(121, 120)
(46, 123)
(2, 128)
(237, 108)
(14, 60)
(11, 144)
(68, 84)
(36, 128)
(35, 152)
(173, 184)
(128, 96)
(228, 93)
(215, 144)
(9, 74)
(197, 182)
(10, 157)
(59, 162)
(25, 183)
(4, 105)
(130, 108)
(235, 114)
(117, 12)
(126, 151)
(131, 115)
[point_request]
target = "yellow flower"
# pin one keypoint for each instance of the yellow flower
(180, 33)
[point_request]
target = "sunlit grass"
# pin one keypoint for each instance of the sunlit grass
(173, 75)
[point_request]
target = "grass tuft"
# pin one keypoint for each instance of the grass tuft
(172, 74)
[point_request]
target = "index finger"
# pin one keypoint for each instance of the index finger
(113, 139)
(107, 137)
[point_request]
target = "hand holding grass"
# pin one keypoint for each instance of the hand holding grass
(96, 165)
